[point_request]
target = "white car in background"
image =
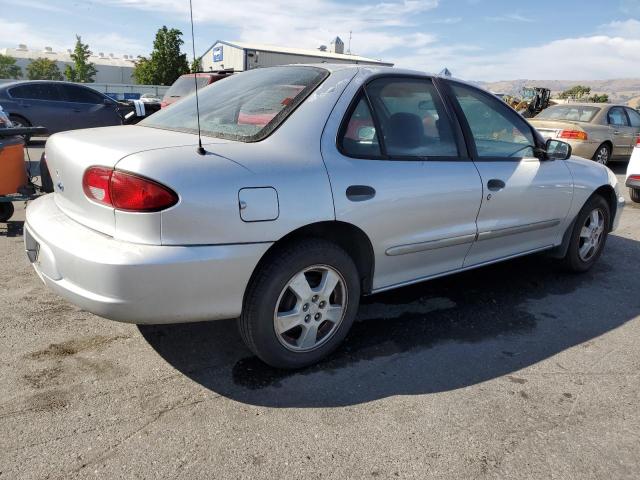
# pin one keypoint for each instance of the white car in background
(633, 173)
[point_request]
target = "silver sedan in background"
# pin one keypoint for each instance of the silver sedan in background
(317, 184)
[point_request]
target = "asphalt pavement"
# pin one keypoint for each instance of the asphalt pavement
(517, 370)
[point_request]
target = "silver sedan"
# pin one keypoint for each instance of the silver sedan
(315, 185)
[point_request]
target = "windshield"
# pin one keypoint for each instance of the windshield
(574, 113)
(185, 85)
(246, 106)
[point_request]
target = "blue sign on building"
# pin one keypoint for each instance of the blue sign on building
(217, 54)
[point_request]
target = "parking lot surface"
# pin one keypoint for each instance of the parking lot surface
(512, 371)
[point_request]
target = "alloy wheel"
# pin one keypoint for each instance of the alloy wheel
(310, 308)
(591, 235)
(603, 155)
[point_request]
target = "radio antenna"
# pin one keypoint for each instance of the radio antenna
(200, 149)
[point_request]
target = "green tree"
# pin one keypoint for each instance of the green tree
(43, 69)
(599, 98)
(82, 71)
(577, 91)
(196, 65)
(166, 63)
(8, 67)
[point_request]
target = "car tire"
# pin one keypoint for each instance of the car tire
(19, 121)
(6, 211)
(603, 154)
(634, 193)
(589, 235)
(288, 319)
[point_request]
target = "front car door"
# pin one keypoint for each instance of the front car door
(526, 200)
(40, 103)
(622, 134)
(88, 108)
(634, 120)
(400, 172)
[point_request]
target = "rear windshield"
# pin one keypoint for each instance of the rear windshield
(574, 113)
(183, 86)
(245, 106)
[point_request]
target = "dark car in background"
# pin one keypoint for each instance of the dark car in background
(186, 85)
(59, 106)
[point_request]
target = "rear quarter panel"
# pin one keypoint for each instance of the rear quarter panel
(289, 161)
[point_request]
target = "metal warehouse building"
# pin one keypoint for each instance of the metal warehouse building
(241, 56)
(110, 68)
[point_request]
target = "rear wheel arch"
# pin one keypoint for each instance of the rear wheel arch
(347, 236)
(21, 117)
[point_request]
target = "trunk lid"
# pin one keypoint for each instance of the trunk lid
(69, 154)
(552, 128)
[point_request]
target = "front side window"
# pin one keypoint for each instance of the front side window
(497, 131)
(634, 117)
(81, 95)
(617, 117)
(246, 106)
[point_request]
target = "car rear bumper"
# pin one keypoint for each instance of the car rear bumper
(136, 283)
(582, 149)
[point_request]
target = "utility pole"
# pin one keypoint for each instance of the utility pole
(349, 49)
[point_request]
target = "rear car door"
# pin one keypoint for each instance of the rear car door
(525, 199)
(41, 104)
(622, 134)
(400, 172)
(88, 108)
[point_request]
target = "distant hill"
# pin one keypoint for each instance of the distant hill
(623, 90)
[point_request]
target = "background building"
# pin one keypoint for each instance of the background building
(241, 56)
(110, 68)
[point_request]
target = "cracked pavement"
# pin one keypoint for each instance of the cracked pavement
(511, 371)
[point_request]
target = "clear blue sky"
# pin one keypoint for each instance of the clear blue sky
(476, 39)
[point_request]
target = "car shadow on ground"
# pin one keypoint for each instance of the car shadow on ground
(435, 336)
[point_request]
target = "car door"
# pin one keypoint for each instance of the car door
(634, 120)
(622, 134)
(40, 103)
(89, 108)
(400, 172)
(525, 200)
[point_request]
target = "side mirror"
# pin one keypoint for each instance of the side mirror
(557, 150)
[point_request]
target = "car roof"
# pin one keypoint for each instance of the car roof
(31, 82)
(589, 104)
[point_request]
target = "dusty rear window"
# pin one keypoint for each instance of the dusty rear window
(574, 113)
(246, 106)
(183, 86)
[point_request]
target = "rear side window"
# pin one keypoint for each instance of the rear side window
(360, 138)
(498, 132)
(411, 118)
(81, 95)
(37, 91)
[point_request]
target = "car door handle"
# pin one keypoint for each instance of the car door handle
(77, 110)
(495, 184)
(360, 193)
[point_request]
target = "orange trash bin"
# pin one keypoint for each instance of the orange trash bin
(13, 173)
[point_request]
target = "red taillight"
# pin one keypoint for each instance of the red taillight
(574, 134)
(164, 104)
(126, 191)
(95, 184)
(638, 142)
